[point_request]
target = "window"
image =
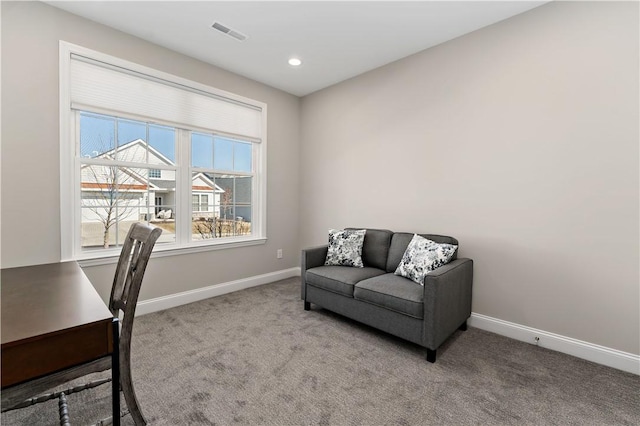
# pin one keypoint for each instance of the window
(200, 205)
(140, 145)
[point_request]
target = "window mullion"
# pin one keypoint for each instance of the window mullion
(183, 185)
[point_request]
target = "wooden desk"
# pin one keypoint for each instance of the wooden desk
(52, 321)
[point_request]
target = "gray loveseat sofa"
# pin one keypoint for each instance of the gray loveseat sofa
(426, 315)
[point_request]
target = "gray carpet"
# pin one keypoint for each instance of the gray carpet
(256, 357)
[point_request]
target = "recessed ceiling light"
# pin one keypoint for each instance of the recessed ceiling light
(295, 62)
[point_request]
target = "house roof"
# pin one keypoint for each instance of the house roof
(111, 153)
(210, 184)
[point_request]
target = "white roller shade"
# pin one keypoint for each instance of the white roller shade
(120, 90)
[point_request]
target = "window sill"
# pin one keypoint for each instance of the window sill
(106, 258)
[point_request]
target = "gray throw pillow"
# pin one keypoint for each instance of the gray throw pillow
(345, 248)
(422, 256)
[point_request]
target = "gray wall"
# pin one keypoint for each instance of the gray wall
(30, 151)
(521, 140)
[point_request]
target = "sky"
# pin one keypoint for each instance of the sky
(97, 135)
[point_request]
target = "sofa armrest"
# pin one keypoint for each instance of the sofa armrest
(447, 300)
(311, 258)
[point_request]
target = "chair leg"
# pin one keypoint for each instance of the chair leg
(463, 327)
(115, 373)
(127, 388)
(431, 355)
(63, 410)
(307, 306)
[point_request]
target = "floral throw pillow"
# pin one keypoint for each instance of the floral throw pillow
(422, 256)
(345, 248)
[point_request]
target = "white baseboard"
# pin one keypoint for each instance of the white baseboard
(589, 351)
(173, 300)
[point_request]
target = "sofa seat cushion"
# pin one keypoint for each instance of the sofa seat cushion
(392, 292)
(339, 279)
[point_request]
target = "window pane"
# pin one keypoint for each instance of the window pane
(229, 210)
(97, 178)
(203, 228)
(163, 140)
(223, 155)
(243, 219)
(203, 214)
(216, 227)
(201, 150)
(92, 232)
(226, 196)
(97, 134)
(162, 209)
(112, 199)
(242, 186)
(163, 201)
(130, 131)
(164, 216)
(134, 151)
(206, 221)
(242, 157)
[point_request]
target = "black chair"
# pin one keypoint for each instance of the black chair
(132, 264)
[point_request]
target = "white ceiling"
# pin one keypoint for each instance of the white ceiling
(335, 40)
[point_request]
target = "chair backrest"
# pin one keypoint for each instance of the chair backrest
(134, 257)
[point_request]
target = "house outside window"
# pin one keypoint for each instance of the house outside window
(205, 187)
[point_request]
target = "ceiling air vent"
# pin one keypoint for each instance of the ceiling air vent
(228, 31)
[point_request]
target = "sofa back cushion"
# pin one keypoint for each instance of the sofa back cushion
(375, 248)
(400, 241)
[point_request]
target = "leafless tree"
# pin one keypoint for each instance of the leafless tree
(226, 203)
(106, 195)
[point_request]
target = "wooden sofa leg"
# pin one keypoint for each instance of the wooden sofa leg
(431, 355)
(307, 306)
(463, 327)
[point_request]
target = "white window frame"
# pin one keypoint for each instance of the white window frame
(70, 171)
